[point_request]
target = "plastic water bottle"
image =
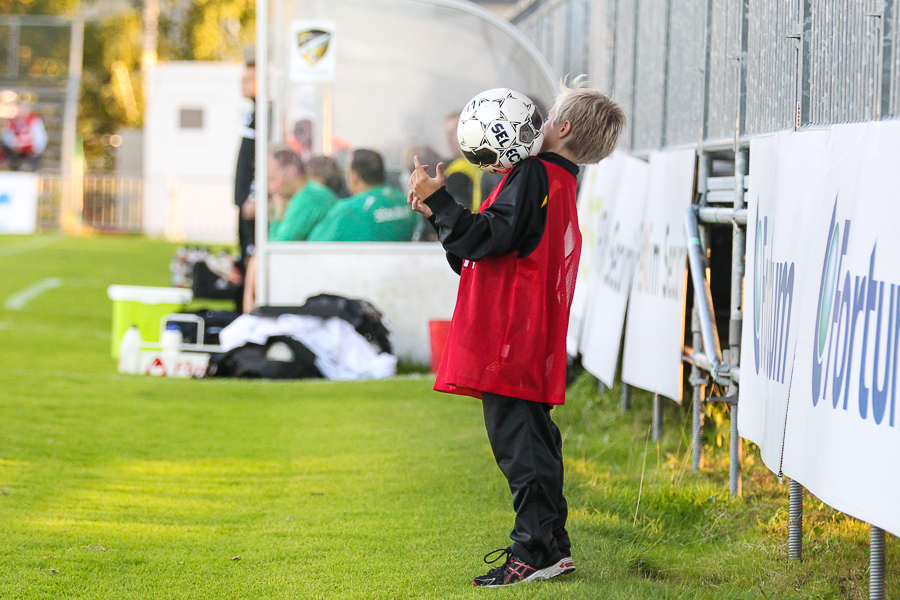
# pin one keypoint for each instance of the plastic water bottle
(172, 339)
(130, 351)
(171, 347)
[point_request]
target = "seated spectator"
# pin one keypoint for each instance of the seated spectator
(24, 138)
(375, 213)
(327, 171)
(309, 200)
(299, 203)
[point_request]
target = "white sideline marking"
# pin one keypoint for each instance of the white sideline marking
(18, 300)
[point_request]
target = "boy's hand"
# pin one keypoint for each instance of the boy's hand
(421, 184)
(417, 204)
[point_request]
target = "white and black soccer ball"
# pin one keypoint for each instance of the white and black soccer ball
(498, 128)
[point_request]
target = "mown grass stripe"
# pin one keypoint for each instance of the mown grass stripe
(30, 243)
(349, 490)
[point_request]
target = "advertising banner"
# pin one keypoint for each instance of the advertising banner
(18, 202)
(842, 437)
(654, 333)
(784, 168)
(597, 183)
(612, 268)
(589, 205)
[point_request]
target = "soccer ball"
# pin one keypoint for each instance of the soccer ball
(498, 128)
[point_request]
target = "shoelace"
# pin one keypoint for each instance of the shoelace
(500, 552)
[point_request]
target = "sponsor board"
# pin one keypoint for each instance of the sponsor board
(597, 183)
(178, 364)
(842, 434)
(654, 331)
(18, 202)
(616, 255)
(784, 168)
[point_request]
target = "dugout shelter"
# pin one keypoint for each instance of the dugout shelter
(384, 75)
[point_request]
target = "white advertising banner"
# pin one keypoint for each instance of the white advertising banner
(18, 202)
(842, 437)
(654, 333)
(616, 254)
(596, 185)
(312, 56)
(784, 168)
(589, 204)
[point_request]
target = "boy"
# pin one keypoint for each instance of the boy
(517, 259)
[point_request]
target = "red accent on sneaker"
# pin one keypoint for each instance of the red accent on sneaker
(517, 570)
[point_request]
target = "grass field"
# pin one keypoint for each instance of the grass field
(127, 487)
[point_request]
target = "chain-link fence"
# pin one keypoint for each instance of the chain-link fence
(716, 69)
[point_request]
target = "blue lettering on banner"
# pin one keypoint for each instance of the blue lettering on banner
(4, 198)
(846, 302)
(773, 299)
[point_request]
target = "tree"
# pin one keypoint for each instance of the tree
(39, 7)
(107, 104)
(111, 91)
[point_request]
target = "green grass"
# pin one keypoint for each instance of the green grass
(127, 487)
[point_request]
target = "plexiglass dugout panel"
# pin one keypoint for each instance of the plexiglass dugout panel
(384, 74)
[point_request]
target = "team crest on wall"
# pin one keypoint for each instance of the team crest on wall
(312, 51)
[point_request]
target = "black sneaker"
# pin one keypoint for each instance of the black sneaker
(514, 570)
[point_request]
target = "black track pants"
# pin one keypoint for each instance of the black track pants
(527, 446)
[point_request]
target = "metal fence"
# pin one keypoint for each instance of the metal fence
(562, 32)
(715, 73)
(714, 70)
(111, 203)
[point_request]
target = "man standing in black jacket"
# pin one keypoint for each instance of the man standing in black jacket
(245, 180)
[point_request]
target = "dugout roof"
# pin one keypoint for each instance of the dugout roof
(384, 74)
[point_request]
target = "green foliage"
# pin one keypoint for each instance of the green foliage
(112, 92)
(39, 7)
(206, 29)
(114, 42)
(132, 487)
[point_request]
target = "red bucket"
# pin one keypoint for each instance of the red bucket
(438, 331)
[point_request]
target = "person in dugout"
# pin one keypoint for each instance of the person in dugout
(376, 212)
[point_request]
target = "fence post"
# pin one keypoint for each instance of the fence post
(72, 203)
(738, 248)
(704, 165)
(657, 417)
(795, 522)
(626, 397)
(602, 387)
(734, 469)
(697, 399)
(876, 563)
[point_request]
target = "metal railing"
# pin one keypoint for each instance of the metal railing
(111, 203)
(705, 366)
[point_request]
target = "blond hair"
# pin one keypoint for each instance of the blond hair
(596, 121)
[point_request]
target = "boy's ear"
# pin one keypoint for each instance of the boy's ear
(565, 129)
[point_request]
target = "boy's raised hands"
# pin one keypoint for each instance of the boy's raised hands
(421, 185)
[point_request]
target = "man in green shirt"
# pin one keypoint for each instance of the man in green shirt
(374, 213)
(309, 200)
(294, 219)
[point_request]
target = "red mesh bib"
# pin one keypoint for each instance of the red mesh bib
(508, 334)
